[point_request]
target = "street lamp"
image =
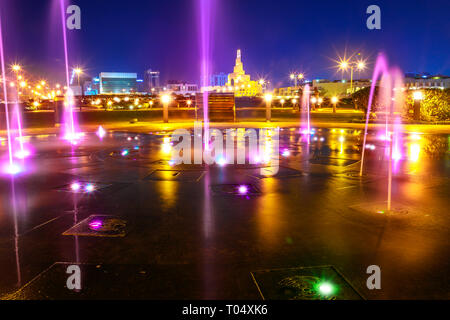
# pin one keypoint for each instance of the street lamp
(78, 71)
(165, 99)
(346, 64)
(16, 68)
(296, 76)
(268, 97)
(417, 96)
(334, 101)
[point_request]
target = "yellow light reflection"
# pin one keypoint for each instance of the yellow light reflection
(414, 152)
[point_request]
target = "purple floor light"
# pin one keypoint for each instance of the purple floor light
(101, 133)
(75, 186)
(243, 189)
(95, 224)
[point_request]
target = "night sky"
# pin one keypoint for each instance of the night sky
(276, 37)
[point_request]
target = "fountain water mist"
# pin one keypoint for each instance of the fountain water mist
(391, 96)
(305, 109)
(11, 167)
(70, 132)
(380, 69)
(206, 9)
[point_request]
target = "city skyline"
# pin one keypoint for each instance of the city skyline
(168, 40)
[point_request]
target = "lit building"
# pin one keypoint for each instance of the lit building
(415, 81)
(118, 82)
(243, 85)
(218, 80)
(182, 88)
(151, 81)
(92, 87)
(339, 87)
(238, 82)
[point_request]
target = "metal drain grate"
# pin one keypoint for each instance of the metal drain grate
(378, 209)
(280, 173)
(111, 281)
(175, 175)
(329, 161)
(353, 176)
(304, 283)
(99, 226)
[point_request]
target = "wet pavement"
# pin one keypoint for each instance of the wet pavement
(187, 232)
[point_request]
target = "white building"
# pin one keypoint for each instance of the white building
(425, 81)
(182, 88)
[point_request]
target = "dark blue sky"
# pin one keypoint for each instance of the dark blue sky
(276, 37)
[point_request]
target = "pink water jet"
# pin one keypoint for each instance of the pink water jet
(70, 130)
(305, 109)
(10, 167)
(380, 70)
(206, 10)
(391, 97)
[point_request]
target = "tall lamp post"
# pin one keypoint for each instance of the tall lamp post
(78, 71)
(268, 98)
(296, 76)
(344, 65)
(418, 97)
(165, 99)
(16, 68)
(334, 101)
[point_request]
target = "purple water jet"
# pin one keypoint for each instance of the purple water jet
(206, 10)
(70, 130)
(391, 96)
(380, 69)
(11, 167)
(305, 109)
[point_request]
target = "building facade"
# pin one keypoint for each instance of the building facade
(151, 80)
(182, 88)
(218, 80)
(118, 82)
(339, 88)
(427, 81)
(238, 82)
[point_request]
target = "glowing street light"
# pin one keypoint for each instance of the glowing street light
(334, 101)
(296, 76)
(78, 71)
(418, 97)
(345, 64)
(268, 98)
(16, 68)
(165, 99)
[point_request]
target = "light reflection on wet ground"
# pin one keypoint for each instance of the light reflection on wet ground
(211, 241)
